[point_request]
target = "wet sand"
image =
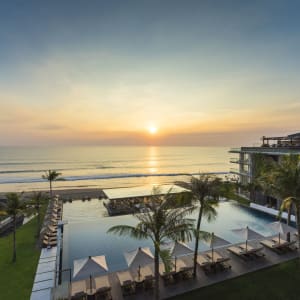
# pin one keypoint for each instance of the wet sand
(67, 194)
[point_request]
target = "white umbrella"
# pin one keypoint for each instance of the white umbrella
(92, 265)
(179, 249)
(214, 242)
(139, 257)
(280, 228)
(247, 234)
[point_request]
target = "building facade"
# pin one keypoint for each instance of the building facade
(272, 148)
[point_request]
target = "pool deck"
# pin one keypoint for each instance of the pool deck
(239, 267)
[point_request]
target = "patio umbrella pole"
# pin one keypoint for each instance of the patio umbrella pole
(212, 247)
(90, 283)
(279, 238)
(246, 244)
(175, 262)
(139, 272)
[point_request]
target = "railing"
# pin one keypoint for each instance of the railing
(235, 150)
(277, 150)
(236, 171)
(267, 150)
(239, 161)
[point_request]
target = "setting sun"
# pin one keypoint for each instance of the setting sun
(152, 129)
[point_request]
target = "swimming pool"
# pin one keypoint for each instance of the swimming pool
(85, 234)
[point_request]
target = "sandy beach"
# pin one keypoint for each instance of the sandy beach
(82, 193)
(67, 194)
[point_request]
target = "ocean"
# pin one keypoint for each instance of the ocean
(21, 168)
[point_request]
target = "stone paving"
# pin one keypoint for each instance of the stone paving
(238, 267)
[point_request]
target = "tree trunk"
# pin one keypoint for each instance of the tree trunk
(14, 258)
(38, 222)
(50, 189)
(156, 273)
(197, 239)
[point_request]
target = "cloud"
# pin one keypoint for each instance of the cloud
(51, 127)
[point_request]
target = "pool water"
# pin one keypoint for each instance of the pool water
(88, 222)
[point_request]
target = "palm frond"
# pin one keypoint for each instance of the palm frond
(131, 231)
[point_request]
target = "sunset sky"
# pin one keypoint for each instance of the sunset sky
(104, 72)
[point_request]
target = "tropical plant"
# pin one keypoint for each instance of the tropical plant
(282, 181)
(289, 203)
(38, 199)
(285, 179)
(165, 220)
(206, 190)
(13, 207)
(51, 175)
(260, 177)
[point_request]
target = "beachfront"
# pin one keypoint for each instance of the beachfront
(77, 223)
(229, 263)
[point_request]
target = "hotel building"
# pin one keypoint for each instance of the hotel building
(271, 148)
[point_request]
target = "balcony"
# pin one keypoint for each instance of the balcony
(238, 172)
(239, 161)
(235, 150)
(267, 150)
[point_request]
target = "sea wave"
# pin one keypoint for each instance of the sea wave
(96, 167)
(103, 176)
(58, 170)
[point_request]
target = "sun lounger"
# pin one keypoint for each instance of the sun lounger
(281, 247)
(149, 282)
(50, 234)
(285, 244)
(126, 282)
(103, 288)
(187, 272)
(205, 264)
(78, 290)
(216, 257)
(47, 243)
(144, 272)
(250, 250)
(202, 260)
(219, 260)
(50, 238)
(239, 252)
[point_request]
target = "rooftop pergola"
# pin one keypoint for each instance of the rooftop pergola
(289, 140)
(143, 191)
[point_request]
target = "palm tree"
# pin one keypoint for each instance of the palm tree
(13, 207)
(287, 204)
(206, 190)
(36, 202)
(285, 180)
(51, 175)
(164, 220)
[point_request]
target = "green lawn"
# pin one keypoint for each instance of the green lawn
(277, 283)
(16, 279)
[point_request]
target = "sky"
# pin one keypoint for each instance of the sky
(207, 73)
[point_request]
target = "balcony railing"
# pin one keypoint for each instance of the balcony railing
(238, 172)
(235, 150)
(239, 161)
(267, 150)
